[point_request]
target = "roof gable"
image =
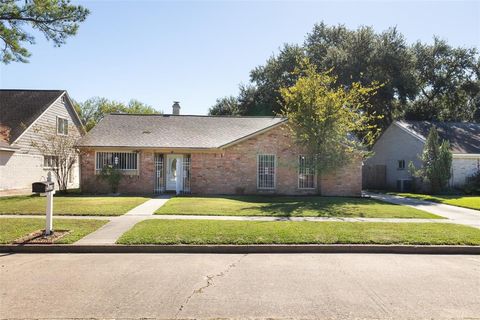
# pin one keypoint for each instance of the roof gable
(169, 131)
(464, 137)
(20, 108)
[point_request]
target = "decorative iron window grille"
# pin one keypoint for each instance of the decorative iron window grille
(266, 170)
(125, 161)
(306, 172)
(159, 173)
(186, 164)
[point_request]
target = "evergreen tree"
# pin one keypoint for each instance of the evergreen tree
(437, 162)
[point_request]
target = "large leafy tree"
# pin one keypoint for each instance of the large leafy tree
(91, 111)
(358, 56)
(448, 81)
(365, 56)
(278, 72)
(55, 19)
(323, 116)
(225, 106)
(419, 81)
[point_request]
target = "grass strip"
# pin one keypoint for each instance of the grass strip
(14, 228)
(259, 232)
(70, 205)
(470, 202)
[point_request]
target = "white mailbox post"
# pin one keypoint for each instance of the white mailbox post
(47, 187)
(49, 211)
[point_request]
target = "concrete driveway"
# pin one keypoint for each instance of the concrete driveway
(333, 286)
(468, 217)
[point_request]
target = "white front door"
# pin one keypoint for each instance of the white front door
(172, 173)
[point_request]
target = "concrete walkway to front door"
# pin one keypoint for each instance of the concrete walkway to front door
(468, 217)
(109, 233)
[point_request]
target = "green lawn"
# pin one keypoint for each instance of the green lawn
(312, 206)
(70, 205)
(472, 202)
(257, 232)
(14, 228)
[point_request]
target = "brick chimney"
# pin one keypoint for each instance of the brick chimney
(4, 133)
(176, 108)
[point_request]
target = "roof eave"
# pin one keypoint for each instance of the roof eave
(144, 147)
(465, 155)
(256, 133)
(418, 136)
(9, 149)
(82, 126)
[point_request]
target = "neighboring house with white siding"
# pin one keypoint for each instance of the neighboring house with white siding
(22, 113)
(404, 141)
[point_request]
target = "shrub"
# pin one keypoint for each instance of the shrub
(112, 176)
(473, 184)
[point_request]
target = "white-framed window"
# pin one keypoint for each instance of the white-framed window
(50, 162)
(62, 126)
(401, 165)
(266, 171)
(125, 161)
(306, 172)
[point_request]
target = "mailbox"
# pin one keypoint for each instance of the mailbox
(42, 186)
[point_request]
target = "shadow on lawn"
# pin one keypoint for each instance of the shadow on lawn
(311, 206)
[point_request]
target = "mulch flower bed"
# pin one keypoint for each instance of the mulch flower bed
(39, 237)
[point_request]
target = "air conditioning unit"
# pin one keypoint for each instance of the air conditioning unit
(404, 185)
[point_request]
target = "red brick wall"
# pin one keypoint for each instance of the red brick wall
(139, 184)
(234, 170)
(346, 181)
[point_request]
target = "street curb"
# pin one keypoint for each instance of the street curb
(231, 249)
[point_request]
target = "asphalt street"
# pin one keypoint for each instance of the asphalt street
(166, 286)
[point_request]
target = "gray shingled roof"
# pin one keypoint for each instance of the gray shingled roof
(464, 137)
(20, 108)
(169, 131)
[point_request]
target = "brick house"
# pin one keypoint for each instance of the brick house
(22, 112)
(205, 155)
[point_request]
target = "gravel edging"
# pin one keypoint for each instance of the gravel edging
(231, 249)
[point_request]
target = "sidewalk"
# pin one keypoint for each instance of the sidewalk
(109, 233)
(468, 217)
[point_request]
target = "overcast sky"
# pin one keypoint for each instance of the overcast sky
(195, 52)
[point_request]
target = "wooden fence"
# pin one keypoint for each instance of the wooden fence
(374, 177)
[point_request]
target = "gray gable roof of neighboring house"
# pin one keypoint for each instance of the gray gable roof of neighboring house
(171, 131)
(464, 137)
(20, 108)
